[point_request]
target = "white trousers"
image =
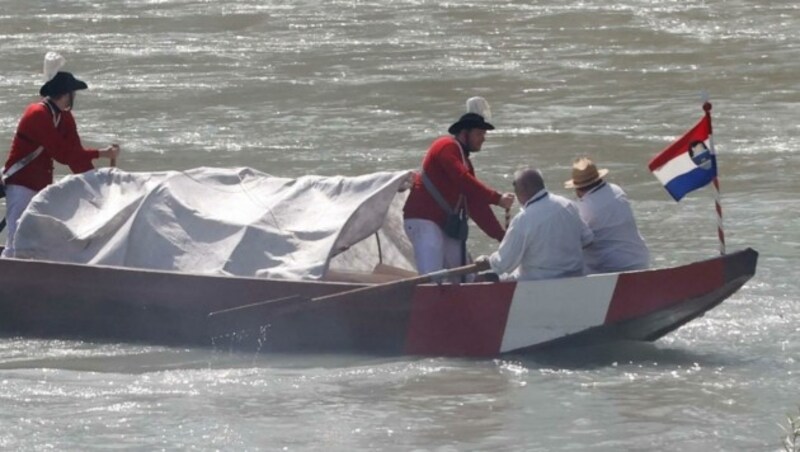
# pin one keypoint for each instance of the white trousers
(433, 250)
(17, 200)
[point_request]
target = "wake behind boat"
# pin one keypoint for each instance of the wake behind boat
(91, 280)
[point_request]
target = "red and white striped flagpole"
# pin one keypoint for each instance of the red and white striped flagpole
(720, 230)
(715, 181)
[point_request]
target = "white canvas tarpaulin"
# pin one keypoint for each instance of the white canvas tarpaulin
(220, 221)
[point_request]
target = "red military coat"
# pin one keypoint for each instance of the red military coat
(43, 124)
(452, 173)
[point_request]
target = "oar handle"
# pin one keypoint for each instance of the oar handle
(112, 162)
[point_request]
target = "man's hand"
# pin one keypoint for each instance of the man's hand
(111, 152)
(506, 200)
(482, 262)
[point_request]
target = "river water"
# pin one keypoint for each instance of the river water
(348, 87)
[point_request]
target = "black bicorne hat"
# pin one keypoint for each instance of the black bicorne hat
(469, 121)
(62, 83)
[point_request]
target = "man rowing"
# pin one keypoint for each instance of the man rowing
(46, 132)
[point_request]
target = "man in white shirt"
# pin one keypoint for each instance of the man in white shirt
(545, 239)
(618, 245)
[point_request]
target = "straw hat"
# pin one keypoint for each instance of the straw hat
(584, 173)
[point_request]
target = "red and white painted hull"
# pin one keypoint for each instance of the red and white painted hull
(481, 319)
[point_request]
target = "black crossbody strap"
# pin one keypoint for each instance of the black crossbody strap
(436, 194)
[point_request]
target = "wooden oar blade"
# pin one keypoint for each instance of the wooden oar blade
(248, 317)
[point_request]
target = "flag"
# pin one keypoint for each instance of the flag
(689, 163)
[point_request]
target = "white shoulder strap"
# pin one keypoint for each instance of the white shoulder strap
(22, 163)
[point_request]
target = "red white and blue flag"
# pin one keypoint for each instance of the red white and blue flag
(689, 163)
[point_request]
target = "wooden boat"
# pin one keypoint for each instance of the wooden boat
(49, 299)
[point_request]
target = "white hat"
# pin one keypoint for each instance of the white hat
(480, 106)
(53, 62)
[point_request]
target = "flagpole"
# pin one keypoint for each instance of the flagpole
(715, 181)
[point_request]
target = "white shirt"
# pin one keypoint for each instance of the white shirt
(617, 245)
(543, 241)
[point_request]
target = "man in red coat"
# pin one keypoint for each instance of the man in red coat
(447, 185)
(46, 132)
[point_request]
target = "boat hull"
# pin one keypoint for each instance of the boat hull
(47, 299)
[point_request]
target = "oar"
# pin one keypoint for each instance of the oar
(250, 316)
(112, 162)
